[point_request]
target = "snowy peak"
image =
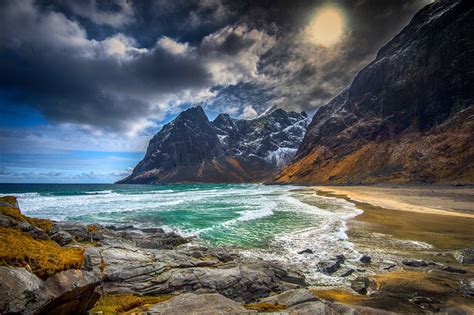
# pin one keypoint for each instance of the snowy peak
(193, 149)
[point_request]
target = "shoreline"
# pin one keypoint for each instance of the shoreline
(386, 217)
(417, 199)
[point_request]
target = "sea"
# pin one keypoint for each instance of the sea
(265, 221)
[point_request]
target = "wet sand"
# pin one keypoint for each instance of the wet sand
(438, 220)
(440, 216)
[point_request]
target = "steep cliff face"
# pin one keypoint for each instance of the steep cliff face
(407, 117)
(193, 149)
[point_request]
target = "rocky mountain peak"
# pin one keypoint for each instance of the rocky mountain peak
(407, 116)
(193, 149)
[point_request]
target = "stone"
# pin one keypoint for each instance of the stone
(360, 285)
(331, 266)
(344, 309)
(415, 263)
(190, 303)
(21, 291)
(310, 308)
(62, 237)
(467, 256)
(291, 297)
(347, 272)
(76, 230)
(454, 270)
(74, 291)
(365, 259)
(67, 292)
(306, 251)
(6, 221)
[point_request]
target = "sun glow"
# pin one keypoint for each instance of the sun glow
(327, 26)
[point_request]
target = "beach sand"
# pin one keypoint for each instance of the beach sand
(442, 218)
(452, 201)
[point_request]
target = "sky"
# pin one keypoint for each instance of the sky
(84, 85)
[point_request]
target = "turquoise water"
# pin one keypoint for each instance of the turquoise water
(268, 221)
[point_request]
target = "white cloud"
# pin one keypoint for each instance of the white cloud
(233, 52)
(248, 113)
(173, 46)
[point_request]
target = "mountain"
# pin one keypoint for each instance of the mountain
(193, 149)
(407, 117)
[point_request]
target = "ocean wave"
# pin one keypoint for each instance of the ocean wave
(99, 192)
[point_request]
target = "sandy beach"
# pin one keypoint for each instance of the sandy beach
(452, 201)
(439, 217)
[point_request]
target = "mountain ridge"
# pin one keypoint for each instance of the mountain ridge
(407, 117)
(193, 149)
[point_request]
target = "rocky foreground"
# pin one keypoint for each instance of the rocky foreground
(70, 268)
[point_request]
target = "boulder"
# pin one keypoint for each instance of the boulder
(310, 308)
(415, 263)
(360, 285)
(291, 297)
(6, 221)
(467, 256)
(74, 292)
(77, 230)
(331, 266)
(365, 259)
(21, 291)
(191, 303)
(35, 232)
(62, 237)
(454, 270)
(68, 292)
(347, 272)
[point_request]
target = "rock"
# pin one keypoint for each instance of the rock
(291, 297)
(306, 251)
(347, 272)
(74, 291)
(330, 267)
(360, 285)
(6, 221)
(365, 259)
(68, 292)
(191, 303)
(35, 232)
(21, 291)
(77, 230)
(454, 270)
(467, 286)
(62, 237)
(344, 309)
(415, 263)
(467, 256)
(388, 265)
(310, 308)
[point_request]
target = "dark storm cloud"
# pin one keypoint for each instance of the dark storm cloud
(114, 65)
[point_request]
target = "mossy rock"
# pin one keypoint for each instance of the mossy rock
(124, 303)
(9, 208)
(19, 249)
